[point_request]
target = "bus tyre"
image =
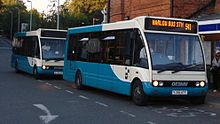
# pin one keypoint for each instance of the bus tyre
(197, 100)
(35, 73)
(16, 68)
(78, 81)
(138, 95)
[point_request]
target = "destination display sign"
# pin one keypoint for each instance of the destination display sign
(170, 25)
(50, 33)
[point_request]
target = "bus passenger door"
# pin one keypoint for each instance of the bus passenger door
(122, 60)
(71, 59)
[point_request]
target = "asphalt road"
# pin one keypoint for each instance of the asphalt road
(24, 100)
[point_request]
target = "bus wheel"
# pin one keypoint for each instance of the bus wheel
(78, 81)
(197, 100)
(16, 67)
(35, 73)
(138, 95)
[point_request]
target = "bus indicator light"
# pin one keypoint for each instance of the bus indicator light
(197, 84)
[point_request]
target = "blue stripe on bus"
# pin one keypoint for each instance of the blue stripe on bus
(23, 63)
(163, 91)
(97, 75)
(85, 29)
(20, 34)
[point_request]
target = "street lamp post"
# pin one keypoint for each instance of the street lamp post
(19, 18)
(30, 15)
(11, 27)
(58, 14)
(19, 15)
(109, 11)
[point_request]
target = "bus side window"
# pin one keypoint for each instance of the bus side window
(140, 56)
(117, 47)
(94, 47)
(36, 47)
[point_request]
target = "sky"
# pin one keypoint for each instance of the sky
(41, 5)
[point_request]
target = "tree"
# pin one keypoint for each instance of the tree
(73, 13)
(36, 20)
(88, 9)
(1, 4)
(10, 2)
(6, 13)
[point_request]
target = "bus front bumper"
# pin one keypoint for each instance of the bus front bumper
(50, 71)
(174, 91)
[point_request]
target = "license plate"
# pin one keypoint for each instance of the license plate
(179, 92)
(58, 73)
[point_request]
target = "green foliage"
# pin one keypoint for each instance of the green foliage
(72, 14)
(6, 13)
(9, 2)
(86, 6)
(85, 10)
(1, 4)
(36, 19)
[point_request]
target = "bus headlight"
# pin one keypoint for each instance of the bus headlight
(44, 67)
(202, 83)
(155, 83)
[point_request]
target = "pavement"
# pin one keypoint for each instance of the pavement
(6, 42)
(213, 98)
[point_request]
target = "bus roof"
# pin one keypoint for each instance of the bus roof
(36, 32)
(138, 22)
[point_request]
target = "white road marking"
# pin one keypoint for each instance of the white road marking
(69, 91)
(127, 113)
(57, 87)
(45, 118)
(5, 48)
(84, 97)
(150, 122)
(40, 80)
(102, 104)
(48, 84)
(182, 112)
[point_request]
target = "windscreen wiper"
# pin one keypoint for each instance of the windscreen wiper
(60, 59)
(173, 65)
(162, 70)
(55, 59)
(188, 67)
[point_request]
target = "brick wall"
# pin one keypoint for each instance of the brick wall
(121, 9)
(185, 8)
(217, 6)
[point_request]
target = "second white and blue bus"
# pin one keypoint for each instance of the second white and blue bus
(143, 57)
(39, 52)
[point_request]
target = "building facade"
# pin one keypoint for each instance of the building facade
(128, 9)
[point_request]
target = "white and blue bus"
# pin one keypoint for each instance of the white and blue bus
(39, 52)
(143, 57)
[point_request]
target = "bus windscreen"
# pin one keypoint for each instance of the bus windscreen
(170, 25)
